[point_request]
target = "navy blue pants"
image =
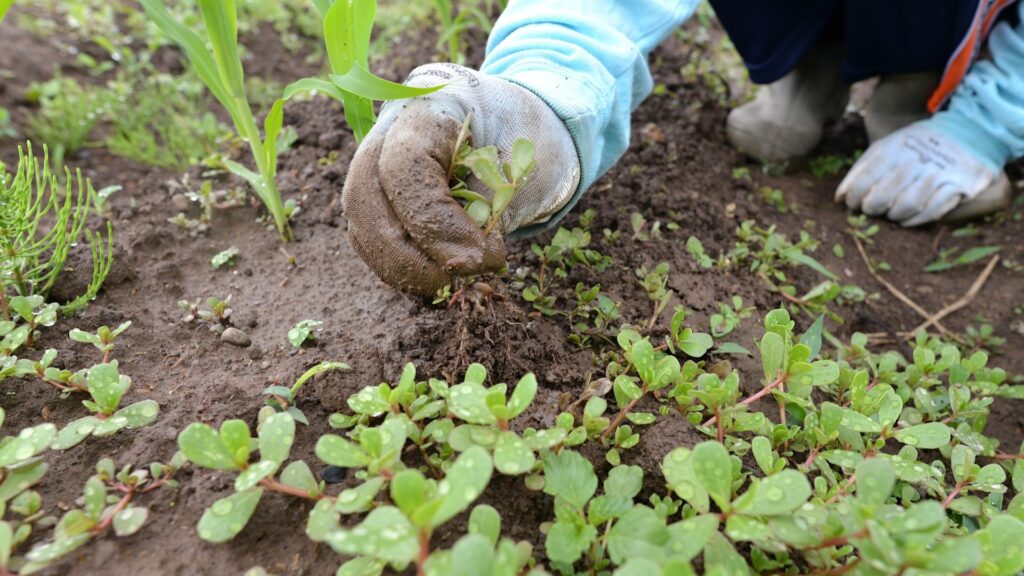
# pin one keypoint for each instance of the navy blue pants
(879, 36)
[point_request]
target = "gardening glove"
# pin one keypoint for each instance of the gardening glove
(916, 175)
(402, 220)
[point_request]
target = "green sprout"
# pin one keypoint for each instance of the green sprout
(302, 333)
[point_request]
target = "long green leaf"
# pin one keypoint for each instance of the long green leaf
(194, 48)
(364, 12)
(361, 82)
(4, 6)
(271, 130)
(339, 37)
(221, 25)
(322, 6)
(311, 85)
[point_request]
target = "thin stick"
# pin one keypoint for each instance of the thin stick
(964, 300)
(896, 291)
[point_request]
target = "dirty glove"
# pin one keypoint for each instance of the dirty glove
(914, 176)
(402, 220)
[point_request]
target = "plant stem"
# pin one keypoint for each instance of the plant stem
(756, 396)
(121, 505)
(952, 495)
(275, 486)
(622, 414)
(4, 306)
(421, 559)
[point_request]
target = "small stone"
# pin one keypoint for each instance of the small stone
(333, 475)
(181, 202)
(235, 337)
(265, 365)
(255, 353)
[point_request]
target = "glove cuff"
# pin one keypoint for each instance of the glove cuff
(988, 150)
(552, 88)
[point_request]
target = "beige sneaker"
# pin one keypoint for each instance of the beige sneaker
(786, 118)
(898, 101)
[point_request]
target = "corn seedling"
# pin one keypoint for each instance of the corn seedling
(221, 70)
(347, 26)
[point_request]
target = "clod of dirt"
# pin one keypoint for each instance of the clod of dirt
(334, 388)
(235, 337)
(333, 475)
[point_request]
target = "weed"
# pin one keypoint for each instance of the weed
(655, 283)
(159, 121)
(67, 114)
(216, 315)
(225, 258)
(696, 249)
(103, 339)
(729, 317)
(283, 398)
(832, 165)
(949, 258)
(456, 22)
(302, 332)
(40, 224)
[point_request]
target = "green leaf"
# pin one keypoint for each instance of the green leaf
(409, 491)
(228, 516)
(875, 481)
(773, 354)
(298, 475)
(41, 556)
(323, 519)
(358, 499)
(106, 386)
(361, 82)
(130, 520)
(468, 401)
(512, 455)
(569, 476)
(638, 533)
(1002, 545)
(567, 541)
(927, 436)
(472, 555)
(337, 451)
(812, 338)
(778, 494)
(6, 532)
(688, 538)
(695, 344)
(954, 555)
(713, 469)
(20, 479)
(27, 444)
(276, 437)
(624, 481)
(463, 483)
(203, 447)
(523, 159)
(486, 521)
(254, 474)
(139, 414)
(76, 431)
(721, 558)
(339, 37)
(677, 467)
(522, 396)
(385, 534)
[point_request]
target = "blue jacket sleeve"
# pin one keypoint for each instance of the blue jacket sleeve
(986, 112)
(588, 60)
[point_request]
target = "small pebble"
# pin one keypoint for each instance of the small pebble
(236, 337)
(333, 475)
(180, 202)
(255, 353)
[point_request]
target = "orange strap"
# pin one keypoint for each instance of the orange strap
(965, 55)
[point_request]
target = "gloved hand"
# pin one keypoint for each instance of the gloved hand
(914, 176)
(402, 220)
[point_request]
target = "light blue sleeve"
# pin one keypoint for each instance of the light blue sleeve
(986, 112)
(588, 60)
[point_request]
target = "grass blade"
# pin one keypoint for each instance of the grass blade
(339, 37)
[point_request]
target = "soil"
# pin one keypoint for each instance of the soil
(679, 169)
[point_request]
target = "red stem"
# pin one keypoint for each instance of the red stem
(622, 414)
(275, 486)
(952, 495)
(421, 560)
(757, 395)
(121, 505)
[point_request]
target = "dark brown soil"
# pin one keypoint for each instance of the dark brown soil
(678, 169)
